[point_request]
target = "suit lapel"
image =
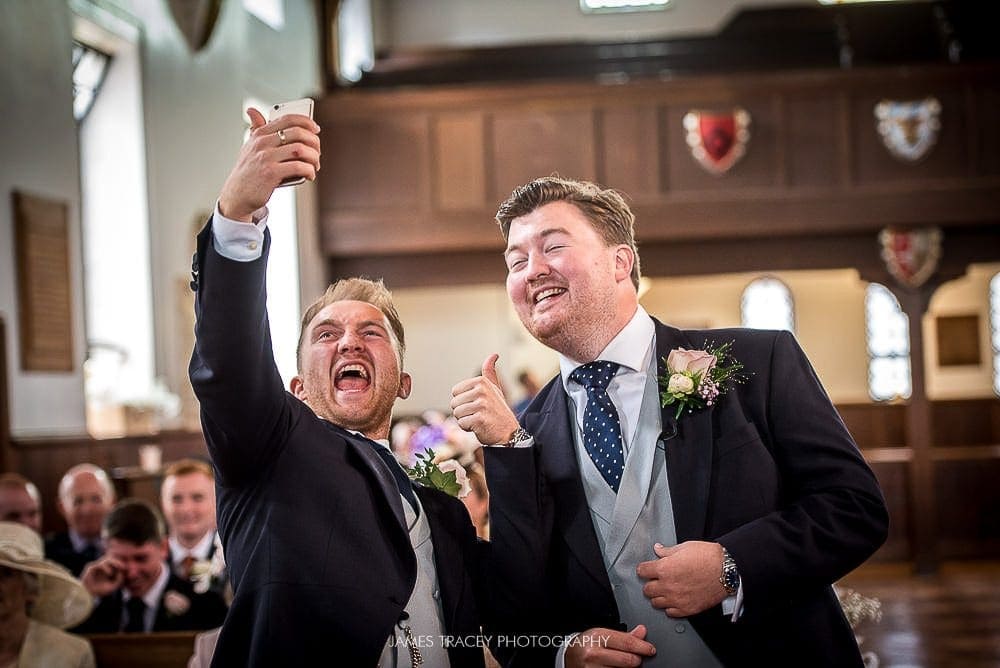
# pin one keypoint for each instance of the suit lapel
(376, 467)
(689, 445)
(449, 561)
(557, 460)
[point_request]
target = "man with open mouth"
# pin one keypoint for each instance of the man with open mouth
(332, 551)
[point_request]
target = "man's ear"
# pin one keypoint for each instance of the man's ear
(297, 388)
(624, 261)
(165, 548)
(405, 385)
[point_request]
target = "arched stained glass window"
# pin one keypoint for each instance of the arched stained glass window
(888, 336)
(767, 304)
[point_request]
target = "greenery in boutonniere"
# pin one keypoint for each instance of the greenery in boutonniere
(448, 476)
(695, 378)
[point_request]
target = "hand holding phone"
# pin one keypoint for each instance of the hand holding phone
(304, 107)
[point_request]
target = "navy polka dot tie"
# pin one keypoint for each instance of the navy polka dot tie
(602, 432)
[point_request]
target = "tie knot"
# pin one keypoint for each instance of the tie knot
(595, 374)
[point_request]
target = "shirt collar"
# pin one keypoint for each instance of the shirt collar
(155, 593)
(80, 543)
(630, 348)
(199, 551)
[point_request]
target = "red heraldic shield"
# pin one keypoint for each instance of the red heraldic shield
(717, 140)
(911, 256)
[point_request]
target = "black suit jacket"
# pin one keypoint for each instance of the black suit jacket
(206, 611)
(769, 471)
(59, 548)
(310, 517)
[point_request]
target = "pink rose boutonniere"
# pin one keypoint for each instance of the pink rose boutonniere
(176, 603)
(695, 378)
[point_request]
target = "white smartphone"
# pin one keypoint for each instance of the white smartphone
(304, 107)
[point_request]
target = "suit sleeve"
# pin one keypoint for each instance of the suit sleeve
(520, 531)
(831, 514)
(244, 408)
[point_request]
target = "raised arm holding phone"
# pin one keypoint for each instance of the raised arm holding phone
(334, 555)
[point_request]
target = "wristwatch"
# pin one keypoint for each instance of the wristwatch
(520, 434)
(730, 577)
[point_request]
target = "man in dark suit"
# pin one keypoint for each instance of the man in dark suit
(187, 497)
(136, 589)
(86, 495)
(331, 554)
(629, 532)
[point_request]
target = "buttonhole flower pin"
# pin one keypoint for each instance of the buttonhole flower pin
(448, 476)
(209, 573)
(176, 603)
(695, 378)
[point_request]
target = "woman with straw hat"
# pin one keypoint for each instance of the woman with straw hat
(38, 598)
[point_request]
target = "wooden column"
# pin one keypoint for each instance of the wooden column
(919, 432)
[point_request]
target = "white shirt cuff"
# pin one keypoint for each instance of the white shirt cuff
(561, 654)
(733, 605)
(526, 443)
(242, 242)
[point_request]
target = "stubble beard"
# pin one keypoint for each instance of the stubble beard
(582, 334)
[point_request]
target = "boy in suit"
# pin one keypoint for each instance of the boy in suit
(136, 589)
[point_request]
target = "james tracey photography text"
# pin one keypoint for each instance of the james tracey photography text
(520, 641)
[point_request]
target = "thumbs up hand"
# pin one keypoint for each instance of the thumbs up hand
(480, 406)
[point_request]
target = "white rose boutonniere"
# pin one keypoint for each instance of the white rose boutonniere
(176, 603)
(695, 378)
(449, 476)
(208, 573)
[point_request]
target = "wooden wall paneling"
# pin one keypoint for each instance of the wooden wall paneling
(576, 129)
(757, 168)
(528, 143)
(811, 140)
(986, 135)
(875, 425)
(458, 161)
(947, 159)
(894, 479)
(432, 269)
(966, 422)
(44, 461)
(968, 499)
(375, 185)
(44, 287)
(630, 150)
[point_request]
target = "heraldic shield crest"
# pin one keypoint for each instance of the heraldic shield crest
(195, 19)
(909, 129)
(911, 256)
(717, 140)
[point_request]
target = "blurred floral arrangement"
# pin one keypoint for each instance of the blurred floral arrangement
(434, 451)
(432, 431)
(858, 608)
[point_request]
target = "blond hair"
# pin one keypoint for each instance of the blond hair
(361, 290)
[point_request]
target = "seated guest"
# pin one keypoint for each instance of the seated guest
(188, 501)
(20, 501)
(38, 598)
(136, 588)
(85, 497)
